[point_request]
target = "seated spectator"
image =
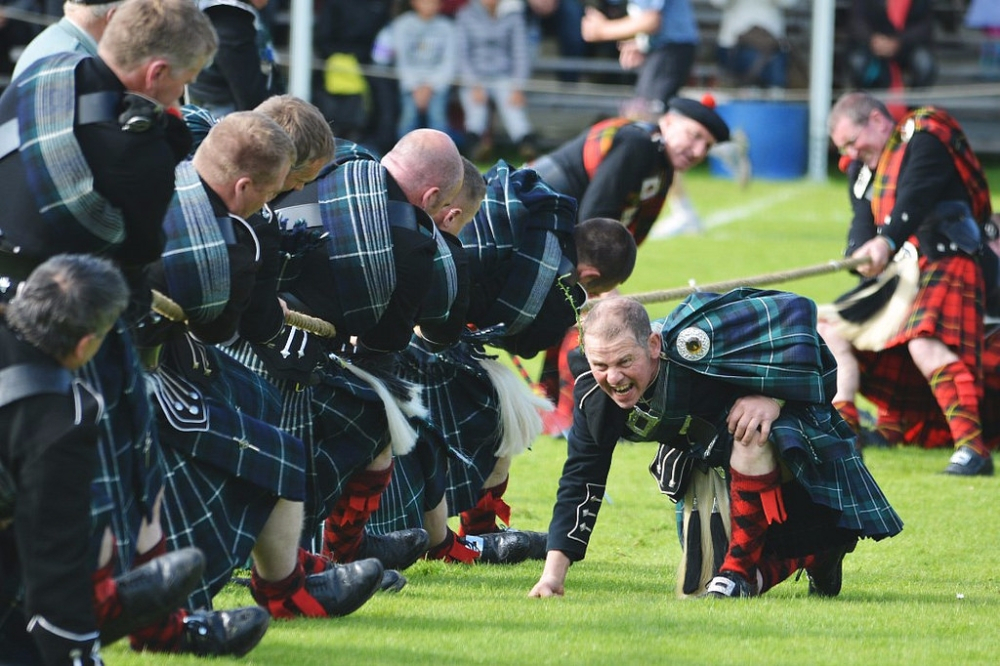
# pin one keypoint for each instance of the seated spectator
(347, 29)
(424, 45)
(493, 66)
(891, 38)
(984, 15)
(751, 44)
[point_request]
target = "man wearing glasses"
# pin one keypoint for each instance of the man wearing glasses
(918, 181)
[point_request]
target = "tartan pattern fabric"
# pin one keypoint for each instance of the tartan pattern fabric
(221, 482)
(130, 473)
(353, 205)
(57, 171)
(947, 307)
(748, 521)
(770, 344)
(956, 393)
(766, 342)
(199, 121)
(598, 142)
(241, 436)
(949, 132)
(342, 422)
(523, 221)
(444, 283)
(207, 507)
(195, 259)
(457, 449)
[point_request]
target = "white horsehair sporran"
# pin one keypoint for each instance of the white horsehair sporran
(872, 314)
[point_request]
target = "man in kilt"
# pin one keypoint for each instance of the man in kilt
(380, 266)
(531, 267)
(235, 480)
(622, 169)
(739, 381)
(918, 181)
(88, 166)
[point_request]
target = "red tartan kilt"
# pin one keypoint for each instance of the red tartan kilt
(990, 412)
(947, 307)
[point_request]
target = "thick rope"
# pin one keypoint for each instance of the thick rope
(165, 306)
(753, 281)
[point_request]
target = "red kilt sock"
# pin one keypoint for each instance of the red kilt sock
(755, 502)
(107, 605)
(452, 550)
(286, 598)
(849, 412)
(773, 570)
(345, 526)
(482, 518)
(955, 390)
(165, 635)
(312, 563)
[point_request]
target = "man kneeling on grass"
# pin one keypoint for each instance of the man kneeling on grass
(739, 381)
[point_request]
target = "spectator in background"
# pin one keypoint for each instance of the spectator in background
(562, 18)
(657, 37)
(14, 32)
(890, 38)
(243, 73)
(424, 43)
(984, 15)
(350, 27)
(493, 65)
(751, 45)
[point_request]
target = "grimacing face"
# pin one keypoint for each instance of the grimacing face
(623, 367)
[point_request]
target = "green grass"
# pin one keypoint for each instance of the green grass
(929, 596)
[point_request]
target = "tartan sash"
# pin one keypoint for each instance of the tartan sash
(524, 220)
(195, 259)
(57, 171)
(444, 283)
(354, 209)
(947, 130)
(765, 341)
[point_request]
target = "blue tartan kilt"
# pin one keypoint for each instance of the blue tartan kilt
(224, 477)
(342, 422)
(130, 474)
(241, 435)
(835, 498)
(456, 451)
(349, 431)
(221, 514)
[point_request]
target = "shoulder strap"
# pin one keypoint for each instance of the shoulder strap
(598, 143)
(25, 380)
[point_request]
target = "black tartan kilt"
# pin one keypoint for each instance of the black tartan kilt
(456, 452)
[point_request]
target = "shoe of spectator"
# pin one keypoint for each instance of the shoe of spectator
(678, 223)
(966, 462)
(505, 547)
(392, 581)
(395, 550)
(152, 591)
(827, 575)
(228, 632)
(527, 148)
(730, 584)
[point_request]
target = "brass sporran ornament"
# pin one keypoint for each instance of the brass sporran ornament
(693, 344)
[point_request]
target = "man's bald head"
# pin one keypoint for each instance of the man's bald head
(428, 167)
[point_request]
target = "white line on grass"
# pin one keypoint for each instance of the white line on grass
(743, 211)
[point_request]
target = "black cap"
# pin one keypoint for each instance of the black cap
(703, 114)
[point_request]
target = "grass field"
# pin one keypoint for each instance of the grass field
(929, 596)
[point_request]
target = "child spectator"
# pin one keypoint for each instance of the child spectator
(424, 43)
(493, 65)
